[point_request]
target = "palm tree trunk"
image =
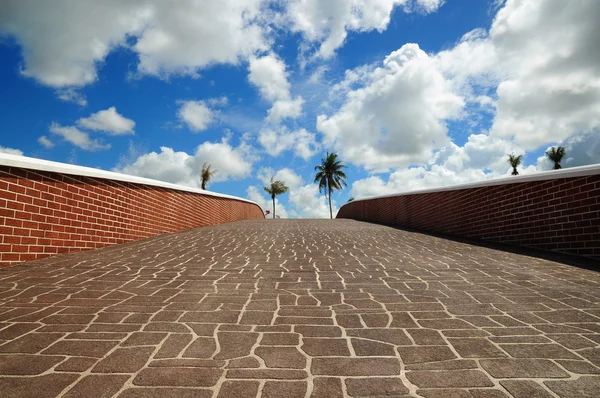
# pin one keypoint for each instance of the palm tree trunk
(330, 211)
(273, 206)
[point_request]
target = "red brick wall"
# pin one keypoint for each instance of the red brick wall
(45, 213)
(560, 214)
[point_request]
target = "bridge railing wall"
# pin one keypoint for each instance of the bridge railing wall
(557, 210)
(48, 208)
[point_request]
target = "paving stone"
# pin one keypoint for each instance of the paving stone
(279, 374)
(368, 348)
(444, 393)
(239, 389)
(375, 386)
(247, 362)
(18, 329)
(525, 389)
(282, 357)
(392, 336)
(124, 360)
(143, 338)
(202, 347)
(355, 366)
(97, 386)
(46, 386)
(455, 364)
(318, 331)
(186, 363)
(330, 387)
(552, 351)
(426, 337)
(280, 339)
(291, 389)
(522, 368)
(584, 387)
(448, 379)
(27, 364)
(76, 364)
(88, 348)
(444, 324)
(188, 377)
(476, 348)
(31, 343)
(332, 287)
(412, 355)
(165, 392)
(579, 367)
(235, 345)
(318, 347)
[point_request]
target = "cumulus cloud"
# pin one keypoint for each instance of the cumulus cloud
(310, 203)
(268, 73)
(11, 151)
(46, 142)
(543, 58)
(108, 121)
(79, 138)
(277, 140)
(396, 116)
(196, 115)
(64, 42)
(328, 22)
(283, 109)
(184, 169)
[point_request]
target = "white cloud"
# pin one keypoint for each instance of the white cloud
(288, 176)
(71, 94)
(11, 151)
(46, 142)
(283, 109)
(396, 117)
(196, 115)
(65, 42)
(78, 138)
(268, 73)
(280, 139)
(183, 168)
(310, 203)
(327, 22)
(108, 121)
(544, 59)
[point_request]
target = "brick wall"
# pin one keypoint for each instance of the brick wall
(43, 213)
(558, 210)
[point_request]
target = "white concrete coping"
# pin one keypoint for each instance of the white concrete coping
(63, 168)
(571, 172)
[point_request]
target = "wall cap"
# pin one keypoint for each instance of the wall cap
(580, 171)
(25, 162)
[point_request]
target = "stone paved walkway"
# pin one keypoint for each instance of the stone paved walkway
(299, 309)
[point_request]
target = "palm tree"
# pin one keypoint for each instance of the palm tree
(514, 162)
(206, 174)
(330, 176)
(556, 155)
(275, 188)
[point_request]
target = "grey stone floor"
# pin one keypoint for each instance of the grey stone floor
(299, 308)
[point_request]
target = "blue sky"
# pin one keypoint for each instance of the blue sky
(410, 93)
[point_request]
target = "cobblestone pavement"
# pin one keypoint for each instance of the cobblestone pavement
(299, 308)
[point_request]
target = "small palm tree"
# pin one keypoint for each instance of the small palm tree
(556, 155)
(330, 176)
(206, 174)
(514, 162)
(275, 188)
